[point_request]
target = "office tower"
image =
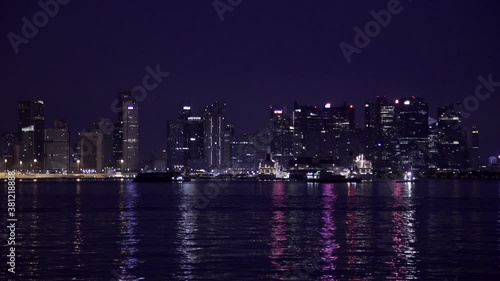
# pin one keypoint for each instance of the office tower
(7, 144)
(185, 141)
(412, 118)
(102, 127)
(117, 144)
(473, 148)
(281, 125)
(380, 129)
(57, 148)
(226, 145)
(91, 152)
(195, 143)
(128, 117)
(214, 124)
(451, 143)
(323, 132)
(176, 145)
(27, 154)
(306, 133)
(244, 153)
(31, 129)
(433, 159)
(96, 148)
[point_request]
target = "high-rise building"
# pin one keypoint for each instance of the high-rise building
(323, 132)
(128, 116)
(177, 151)
(27, 146)
(226, 146)
(7, 144)
(281, 125)
(380, 129)
(451, 146)
(118, 144)
(195, 143)
(473, 148)
(433, 144)
(31, 129)
(91, 152)
(185, 141)
(214, 125)
(244, 153)
(412, 123)
(57, 147)
(96, 148)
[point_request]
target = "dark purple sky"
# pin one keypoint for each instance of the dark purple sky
(264, 52)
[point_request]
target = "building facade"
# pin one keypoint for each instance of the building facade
(57, 147)
(128, 117)
(31, 129)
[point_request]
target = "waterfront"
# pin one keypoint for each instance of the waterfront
(431, 230)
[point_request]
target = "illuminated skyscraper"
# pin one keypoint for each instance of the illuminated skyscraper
(281, 136)
(57, 152)
(7, 144)
(185, 141)
(412, 132)
(322, 131)
(214, 125)
(128, 116)
(31, 128)
(473, 148)
(380, 129)
(176, 144)
(451, 146)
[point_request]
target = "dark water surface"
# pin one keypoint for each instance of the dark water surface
(432, 230)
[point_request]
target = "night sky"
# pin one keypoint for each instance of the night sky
(263, 53)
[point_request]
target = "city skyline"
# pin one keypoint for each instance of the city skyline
(403, 130)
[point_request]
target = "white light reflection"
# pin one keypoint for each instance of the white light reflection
(187, 229)
(328, 233)
(128, 224)
(78, 235)
(403, 261)
(279, 241)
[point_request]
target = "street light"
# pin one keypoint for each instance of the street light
(121, 161)
(78, 165)
(34, 161)
(21, 166)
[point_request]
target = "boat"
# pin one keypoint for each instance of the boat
(323, 176)
(271, 170)
(363, 168)
(408, 178)
(161, 177)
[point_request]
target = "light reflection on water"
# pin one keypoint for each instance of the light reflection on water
(187, 230)
(128, 224)
(329, 252)
(403, 261)
(279, 241)
(258, 231)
